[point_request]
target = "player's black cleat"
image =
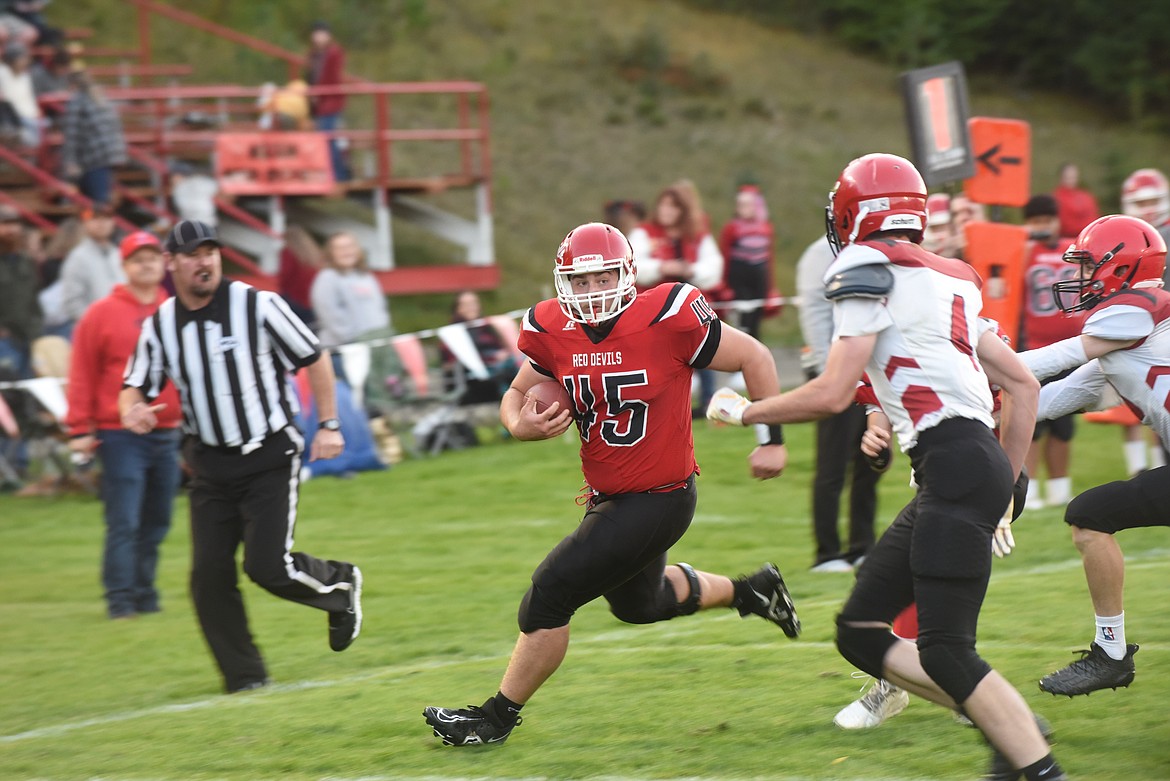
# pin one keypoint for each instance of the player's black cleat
(1094, 670)
(768, 597)
(470, 726)
(1002, 768)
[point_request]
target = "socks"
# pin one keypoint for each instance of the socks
(1046, 769)
(503, 709)
(742, 593)
(1032, 498)
(1111, 635)
(1057, 491)
(1135, 456)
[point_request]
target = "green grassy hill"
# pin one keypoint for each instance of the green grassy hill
(600, 99)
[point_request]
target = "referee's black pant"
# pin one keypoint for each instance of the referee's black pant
(251, 498)
(838, 453)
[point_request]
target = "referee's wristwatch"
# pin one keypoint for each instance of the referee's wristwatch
(330, 424)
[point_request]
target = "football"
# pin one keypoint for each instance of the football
(546, 393)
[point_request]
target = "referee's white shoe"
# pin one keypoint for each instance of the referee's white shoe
(346, 625)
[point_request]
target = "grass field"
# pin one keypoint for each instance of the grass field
(447, 545)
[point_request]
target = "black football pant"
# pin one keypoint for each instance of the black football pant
(251, 499)
(937, 552)
(839, 453)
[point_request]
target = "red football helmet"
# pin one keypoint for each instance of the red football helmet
(878, 192)
(592, 247)
(1145, 194)
(1114, 253)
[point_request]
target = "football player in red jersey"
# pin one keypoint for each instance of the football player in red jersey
(911, 320)
(1041, 323)
(626, 359)
(1125, 343)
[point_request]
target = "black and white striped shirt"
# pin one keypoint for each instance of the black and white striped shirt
(230, 362)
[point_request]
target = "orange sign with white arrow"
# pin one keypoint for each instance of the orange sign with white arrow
(1003, 161)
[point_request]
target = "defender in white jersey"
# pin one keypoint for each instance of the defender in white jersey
(1125, 342)
(909, 319)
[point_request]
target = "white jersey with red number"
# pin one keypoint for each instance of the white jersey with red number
(631, 386)
(923, 366)
(1043, 322)
(1141, 374)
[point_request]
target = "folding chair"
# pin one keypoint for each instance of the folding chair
(431, 410)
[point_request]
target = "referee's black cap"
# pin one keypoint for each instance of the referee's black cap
(189, 234)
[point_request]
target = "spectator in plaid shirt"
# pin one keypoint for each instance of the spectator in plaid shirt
(93, 139)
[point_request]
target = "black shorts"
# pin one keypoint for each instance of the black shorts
(1061, 428)
(1143, 500)
(618, 551)
(937, 552)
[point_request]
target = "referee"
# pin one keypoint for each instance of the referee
(228, 349)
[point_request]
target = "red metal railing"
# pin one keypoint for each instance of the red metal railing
(158, 131)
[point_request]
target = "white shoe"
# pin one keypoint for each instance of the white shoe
(1058, 491)
(833, 565)
(882, 701)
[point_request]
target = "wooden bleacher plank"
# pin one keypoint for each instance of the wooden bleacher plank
(438, 279)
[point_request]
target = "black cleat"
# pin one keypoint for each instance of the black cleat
(1094, 670)
(470, 726)
(1002, 768)
(770, 599)
(346, 625)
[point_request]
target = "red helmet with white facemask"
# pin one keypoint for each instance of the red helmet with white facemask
(878, 192)
(589, 248)
(1145, 194)
(1115, 253)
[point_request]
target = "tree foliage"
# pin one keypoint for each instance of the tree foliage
(1115, 55)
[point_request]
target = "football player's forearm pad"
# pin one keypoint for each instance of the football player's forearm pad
(1044, 362)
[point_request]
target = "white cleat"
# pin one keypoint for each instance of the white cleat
(882, 701)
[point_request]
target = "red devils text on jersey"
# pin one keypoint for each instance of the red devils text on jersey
(632, 385)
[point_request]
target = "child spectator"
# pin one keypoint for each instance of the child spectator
(746, 242)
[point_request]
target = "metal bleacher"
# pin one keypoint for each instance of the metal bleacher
(269, 178)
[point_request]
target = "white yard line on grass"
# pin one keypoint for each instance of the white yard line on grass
(602, 640)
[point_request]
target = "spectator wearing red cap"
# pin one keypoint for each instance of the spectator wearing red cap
(93, 267)
(140, 472)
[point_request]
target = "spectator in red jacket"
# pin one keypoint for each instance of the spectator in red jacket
(1077, 205)
(326, 68)
(140, 472)
(746, 243)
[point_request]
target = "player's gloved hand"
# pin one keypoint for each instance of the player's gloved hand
(727, 406)
(881, 462)
(1019, 495)
(1002, 542)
